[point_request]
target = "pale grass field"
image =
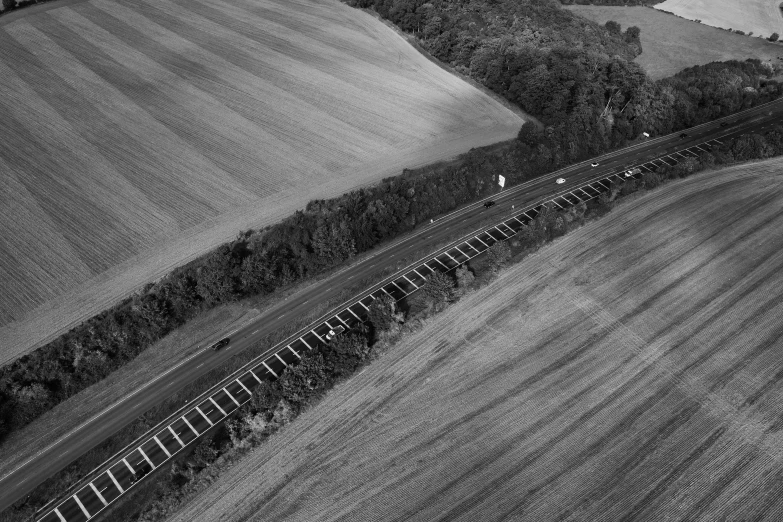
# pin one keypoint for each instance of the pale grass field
(631, 370)
(670, 44)
(138, 134)
(763, 17)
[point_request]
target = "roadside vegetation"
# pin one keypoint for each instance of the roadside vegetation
(277, 403)
(574, 75)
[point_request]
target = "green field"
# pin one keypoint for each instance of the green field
(139, 134)
(670, 43)
(629, 371)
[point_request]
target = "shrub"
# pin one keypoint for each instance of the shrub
(651, 180)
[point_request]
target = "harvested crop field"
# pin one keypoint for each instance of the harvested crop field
(670, 43)
(630, 371)
(762, 17)
(138, 134)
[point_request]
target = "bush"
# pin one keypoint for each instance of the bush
(651, 180)
(497, 255)
(382, 314)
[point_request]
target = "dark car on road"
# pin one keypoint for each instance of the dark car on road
(220, 344)
(488, 204)
(683, 135)
(724, 123)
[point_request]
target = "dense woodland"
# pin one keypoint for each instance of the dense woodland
(574, 75)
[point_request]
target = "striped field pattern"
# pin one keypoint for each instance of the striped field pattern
(138, 134)
(633, 370)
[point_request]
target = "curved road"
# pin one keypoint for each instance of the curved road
(16, 482)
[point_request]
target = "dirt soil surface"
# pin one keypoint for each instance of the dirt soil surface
(163, 128)
(631, 370)
(670, 44)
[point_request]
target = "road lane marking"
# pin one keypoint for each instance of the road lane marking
(218, 407)
(251, 372)
(174, 433)
(270, 369)
(161, 446)
(232, 397)
(399, 287)
(145, 457)
(84, 509)
(100, 497)
(191, 426)
(411, 282)
(133, 471)
(116, 484)
(245, 387)
(281, 360)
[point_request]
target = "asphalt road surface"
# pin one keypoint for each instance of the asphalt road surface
(18, 481)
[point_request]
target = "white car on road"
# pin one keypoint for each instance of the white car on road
(560, 181)
(594, 164)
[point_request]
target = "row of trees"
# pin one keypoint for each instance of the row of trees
(573, 74)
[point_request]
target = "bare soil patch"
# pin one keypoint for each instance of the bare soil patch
(670, 44)
(631, 370)
(161, 129)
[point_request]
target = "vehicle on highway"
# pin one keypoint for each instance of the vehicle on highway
(337, 330)
(629, 173)
(683, 135)
(221, 343)
(594, 164)
(488, 204)
(724, 123)
(560, 181)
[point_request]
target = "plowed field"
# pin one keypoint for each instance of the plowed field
(135, 135)
(633, 370)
